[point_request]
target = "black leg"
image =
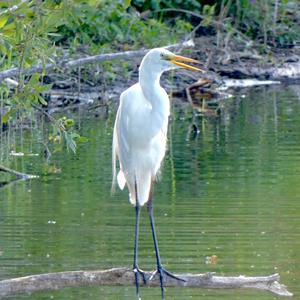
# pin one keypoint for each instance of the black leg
(162, 272)
(136, 269)
(150, 211)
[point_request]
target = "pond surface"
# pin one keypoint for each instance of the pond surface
(233, 192)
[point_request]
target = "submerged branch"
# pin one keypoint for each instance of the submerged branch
(5, 184)
(127, 55)
(20, 175)
(125, 277)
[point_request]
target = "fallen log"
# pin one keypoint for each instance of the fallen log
(126, 277)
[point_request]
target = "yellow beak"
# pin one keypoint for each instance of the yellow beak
(179, 60)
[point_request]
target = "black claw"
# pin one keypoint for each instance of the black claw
(164, 273)
(172, 275)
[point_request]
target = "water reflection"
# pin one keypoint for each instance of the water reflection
(232, 191)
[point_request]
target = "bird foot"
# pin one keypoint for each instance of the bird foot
(138, 272)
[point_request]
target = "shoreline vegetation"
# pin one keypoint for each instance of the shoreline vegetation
(57, 54)
(236, 39)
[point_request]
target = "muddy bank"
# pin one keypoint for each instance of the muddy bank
(93, 85)
(240, 61)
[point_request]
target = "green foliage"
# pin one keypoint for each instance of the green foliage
(154, 5)
(208, 13)
(24, 34)
(269, 22)
(63, 131)
(109, 24)
(24, 41)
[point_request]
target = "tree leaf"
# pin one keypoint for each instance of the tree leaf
(42, 100)
(5, 117)
(127, 3)
(3, 21)
(70, 142)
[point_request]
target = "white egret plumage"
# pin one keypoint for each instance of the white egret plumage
(139, 140)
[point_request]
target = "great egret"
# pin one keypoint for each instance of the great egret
(139, 141)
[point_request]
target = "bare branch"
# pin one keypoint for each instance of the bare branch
(127, 55)
(125, 277)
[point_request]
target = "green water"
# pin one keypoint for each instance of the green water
(233, 191)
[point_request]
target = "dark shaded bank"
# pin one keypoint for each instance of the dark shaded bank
(93, 84)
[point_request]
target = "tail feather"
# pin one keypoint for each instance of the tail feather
(121, 180)
(140, 188)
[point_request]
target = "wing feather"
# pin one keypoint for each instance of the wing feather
(139, 153)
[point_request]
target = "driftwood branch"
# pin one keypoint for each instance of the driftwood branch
(284, 71)
(19, 175)
(127, 55)
(125, 277)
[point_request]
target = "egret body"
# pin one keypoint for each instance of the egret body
(139, 140)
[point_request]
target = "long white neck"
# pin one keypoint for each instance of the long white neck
(157, 98)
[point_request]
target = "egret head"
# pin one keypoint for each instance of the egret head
(160, 60)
